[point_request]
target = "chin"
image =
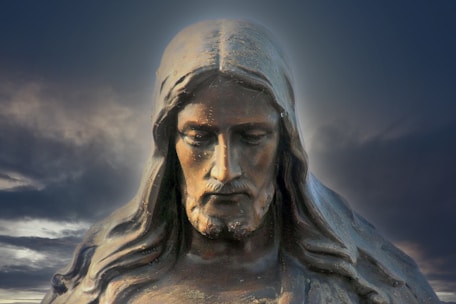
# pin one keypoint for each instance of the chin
(219, 228)
(233, 230)
(239, 231)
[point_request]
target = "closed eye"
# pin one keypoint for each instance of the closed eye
(196, 137)
(254, 137)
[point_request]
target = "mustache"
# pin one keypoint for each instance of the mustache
(234, 186)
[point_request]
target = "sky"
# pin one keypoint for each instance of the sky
(376, 95)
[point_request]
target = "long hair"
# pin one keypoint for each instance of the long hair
(142, 241)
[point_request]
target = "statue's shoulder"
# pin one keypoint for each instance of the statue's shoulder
(304, 285)
(375, 259)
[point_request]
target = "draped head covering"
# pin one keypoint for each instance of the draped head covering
(320, 234)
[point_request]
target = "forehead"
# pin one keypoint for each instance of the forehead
(224, 103)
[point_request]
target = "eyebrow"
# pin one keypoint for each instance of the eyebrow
(194, 125)
(256, 125)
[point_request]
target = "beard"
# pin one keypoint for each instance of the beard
(216, 228)
(235, 226)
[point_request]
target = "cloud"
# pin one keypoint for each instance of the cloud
(439, 269)
(14, 296)
(15, 256)
(74, 117)
(67, 152)
(428, 266)
(26, 278)
(68, 158)
(402, 183)
(388, 177)
(62, 114)
(31, 256)
(447, 296)
(28, 261)
(42, 228)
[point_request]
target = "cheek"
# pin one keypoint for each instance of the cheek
(193, 162)
(263, 160)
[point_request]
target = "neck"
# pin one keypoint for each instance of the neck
(256, 252)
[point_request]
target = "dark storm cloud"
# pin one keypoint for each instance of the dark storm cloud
(24, 277)
(29, 274)
(403, 183)
(67, 162)
(57, 247)
(81, 182)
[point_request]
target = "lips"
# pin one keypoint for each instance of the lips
(225, 195)
(225, 198)
(225, 205)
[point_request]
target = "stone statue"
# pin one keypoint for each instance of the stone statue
(227, 212)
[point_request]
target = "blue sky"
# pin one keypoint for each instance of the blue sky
(376, 91)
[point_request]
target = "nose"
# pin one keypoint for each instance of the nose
(226, 165)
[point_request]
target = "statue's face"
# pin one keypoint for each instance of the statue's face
(226, 142)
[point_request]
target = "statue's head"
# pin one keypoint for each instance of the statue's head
(225, 108)
(226, 142)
